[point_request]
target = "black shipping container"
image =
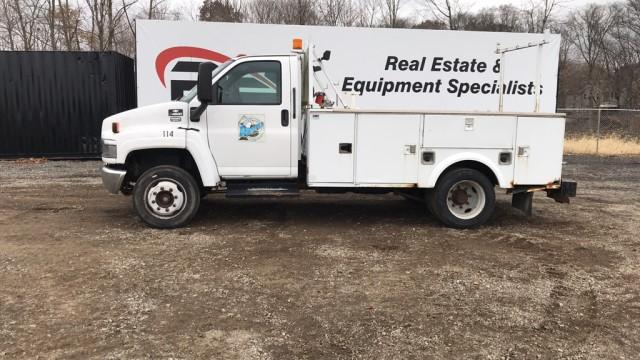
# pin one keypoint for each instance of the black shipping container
(52, 103)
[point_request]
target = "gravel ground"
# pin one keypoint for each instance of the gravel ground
(320, 276)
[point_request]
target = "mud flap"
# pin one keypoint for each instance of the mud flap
(568, 189)
(523, 201)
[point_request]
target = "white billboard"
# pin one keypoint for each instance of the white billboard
(385, 68)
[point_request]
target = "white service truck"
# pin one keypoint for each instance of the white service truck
(265, 126)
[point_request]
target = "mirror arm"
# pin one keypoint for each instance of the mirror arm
(195, 113)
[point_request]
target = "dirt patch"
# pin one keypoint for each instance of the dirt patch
(321, 276)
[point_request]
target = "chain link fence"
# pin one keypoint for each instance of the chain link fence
(602, 130)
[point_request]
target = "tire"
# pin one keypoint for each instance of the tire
(462, 198)
(166, 197)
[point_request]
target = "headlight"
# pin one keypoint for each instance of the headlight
(109, 150)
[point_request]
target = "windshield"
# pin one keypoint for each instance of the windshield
(191, 94)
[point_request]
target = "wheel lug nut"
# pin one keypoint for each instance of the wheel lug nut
(153, 201)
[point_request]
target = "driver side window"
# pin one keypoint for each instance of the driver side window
(251, 83)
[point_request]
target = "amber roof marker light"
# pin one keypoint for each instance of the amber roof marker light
(297, 44)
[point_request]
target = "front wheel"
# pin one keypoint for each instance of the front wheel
(166, 197)
(463, 198)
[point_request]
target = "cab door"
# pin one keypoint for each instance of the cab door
(248, 126)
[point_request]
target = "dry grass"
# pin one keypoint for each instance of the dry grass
(611, 145)
(31, 160)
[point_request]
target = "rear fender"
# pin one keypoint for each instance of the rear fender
(445, 164)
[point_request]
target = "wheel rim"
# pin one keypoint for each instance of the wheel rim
(466, 199)
(165, 198)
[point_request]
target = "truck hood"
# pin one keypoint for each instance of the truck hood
(146, 117)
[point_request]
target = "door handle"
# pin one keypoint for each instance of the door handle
(184, 128)
(284, 117)
(345, 148)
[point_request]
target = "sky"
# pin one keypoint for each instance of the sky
(416, 9)
(569, 4)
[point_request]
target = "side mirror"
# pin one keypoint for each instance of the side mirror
(205, 91)
(326, 55)
(204, 82)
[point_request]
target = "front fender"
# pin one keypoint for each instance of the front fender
(199, 150)
(127, 146)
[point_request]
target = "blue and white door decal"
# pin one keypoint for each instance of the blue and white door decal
(250, 127)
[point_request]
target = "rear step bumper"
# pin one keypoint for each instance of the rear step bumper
(567, 189)
(523, 197)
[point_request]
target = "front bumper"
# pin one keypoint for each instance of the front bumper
(112, 178)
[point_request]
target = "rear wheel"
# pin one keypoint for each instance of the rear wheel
(166, 197)
(463, 198)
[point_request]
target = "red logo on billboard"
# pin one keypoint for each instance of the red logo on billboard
(167, 55)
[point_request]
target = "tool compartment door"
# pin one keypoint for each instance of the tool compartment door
(538, 152)
(330, 148)
(387, 148)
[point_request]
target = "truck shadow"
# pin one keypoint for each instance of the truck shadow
(344, 209)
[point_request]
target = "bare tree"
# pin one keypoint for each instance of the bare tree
(27, 14)
(155, 9)
(566, 45)
(107, 24)
(588, 28)
(538, 13)
(50, 18)
(190, 11)
(447, 11)
(265, 11)
(391, 10)
(632, 21)
(69, 19)
(430, 24)
(221, 10)
(8, 23)
(337, 12)
(128, 18)
(299, 12)
(620, 57)
(368, 12)
(508, 17)
(96, 10)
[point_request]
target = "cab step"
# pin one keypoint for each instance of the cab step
(261, 189)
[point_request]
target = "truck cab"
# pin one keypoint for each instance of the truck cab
(252, 127)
